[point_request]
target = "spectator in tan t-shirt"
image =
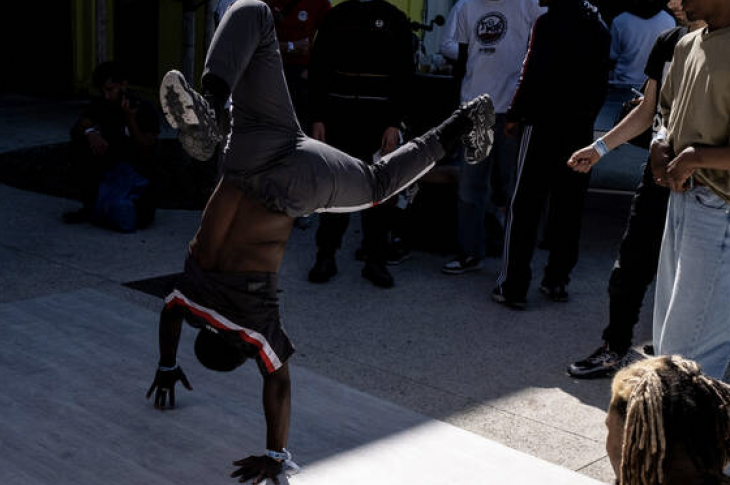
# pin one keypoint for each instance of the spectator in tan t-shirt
(691, 155)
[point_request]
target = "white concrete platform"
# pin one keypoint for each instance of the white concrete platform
(74, 368)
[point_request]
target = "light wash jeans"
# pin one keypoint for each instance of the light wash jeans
(692, 303)
(483, 187)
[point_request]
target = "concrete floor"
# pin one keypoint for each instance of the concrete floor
(447, 363)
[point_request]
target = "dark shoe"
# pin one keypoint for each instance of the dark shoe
(463, 265)
(478, 141)
(188, 111)
(324, 268)
(472, 125)
(378, 274)
(397, 254)
(499, 296)
(557, 293)
(76, 217)
(601, 363)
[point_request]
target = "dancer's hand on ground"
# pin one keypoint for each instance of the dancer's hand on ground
(660, 154)
(164, 384)
(390, 140)
(258, 469)
(318, 131)
(681, 169)
(582, 160)
(97, 143)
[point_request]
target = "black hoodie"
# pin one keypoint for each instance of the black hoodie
(565, 73)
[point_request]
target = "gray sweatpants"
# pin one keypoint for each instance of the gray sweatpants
(268, 156)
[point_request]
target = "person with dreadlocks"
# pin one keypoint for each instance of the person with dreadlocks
(668, 424)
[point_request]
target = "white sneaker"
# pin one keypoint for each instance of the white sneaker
(189, 112)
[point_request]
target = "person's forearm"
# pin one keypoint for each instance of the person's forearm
(169, 337)
(77, 131)
(717, 158)
(277, 408)
(633, 125)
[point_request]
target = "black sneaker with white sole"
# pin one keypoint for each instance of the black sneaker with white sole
(470, 125)
(189, 112)
(479, 140)
(510, 301)
(557, 293)
(602, 363)
(463, 265)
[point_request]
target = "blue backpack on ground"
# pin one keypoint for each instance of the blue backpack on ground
(115, 205)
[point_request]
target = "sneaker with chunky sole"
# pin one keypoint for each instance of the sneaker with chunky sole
(325, 267)
(189, 112)
(557, 293)
(479, 140)
(463, 265)
(602, 363)
(499, 296)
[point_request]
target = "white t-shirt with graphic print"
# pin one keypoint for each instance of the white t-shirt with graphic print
(497, 32)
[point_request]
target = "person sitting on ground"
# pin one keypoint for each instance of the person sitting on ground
(118, 129)
(668, 424)
(272, 173)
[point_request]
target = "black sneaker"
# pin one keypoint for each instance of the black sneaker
(378, 274)
(471, 124)
(462, 265)
(557, 293)
(601, 363)
(396, 254)
(324, 268)
(189, 112)
(479, 140)
(499, 296)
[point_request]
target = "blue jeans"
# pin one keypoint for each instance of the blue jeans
(692, 303)
(484, 187)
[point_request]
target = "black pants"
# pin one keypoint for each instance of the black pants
(376, 223)
(543, 174)
(359, 134)
(637, 261)
(299, 92)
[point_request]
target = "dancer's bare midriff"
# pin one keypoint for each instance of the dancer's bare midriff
(239, 234)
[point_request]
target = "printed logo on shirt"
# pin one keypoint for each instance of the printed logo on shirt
(303, 16)
(491, 29)
(379, 23)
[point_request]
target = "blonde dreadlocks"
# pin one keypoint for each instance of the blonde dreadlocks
(667, 402)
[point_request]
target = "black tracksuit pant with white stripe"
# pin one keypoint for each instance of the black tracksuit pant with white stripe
(544, 178)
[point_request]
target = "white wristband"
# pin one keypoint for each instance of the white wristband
(283, 455)
(660, 135)
(90, 130)
(600, 146)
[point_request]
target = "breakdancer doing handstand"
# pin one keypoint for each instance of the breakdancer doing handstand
(272, 173)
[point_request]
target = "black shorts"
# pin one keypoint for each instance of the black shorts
(244, 307)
